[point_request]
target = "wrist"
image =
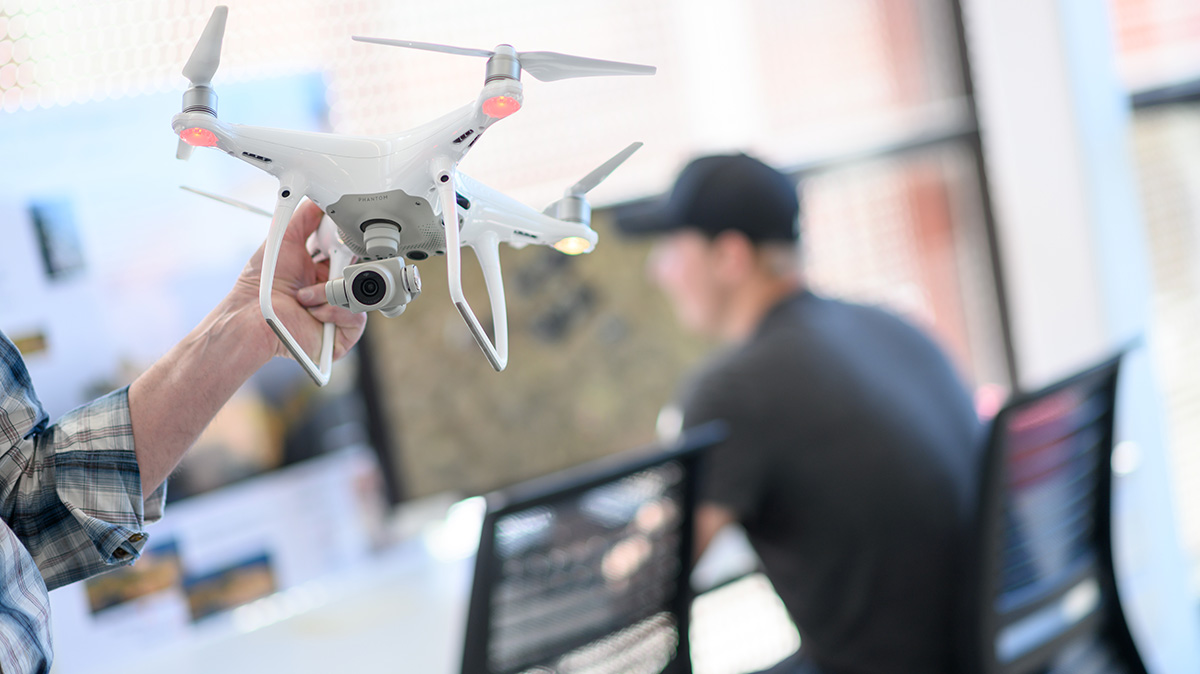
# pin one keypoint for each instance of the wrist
(172, 401)
(237, 327)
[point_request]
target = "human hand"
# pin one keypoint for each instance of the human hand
(298, 293)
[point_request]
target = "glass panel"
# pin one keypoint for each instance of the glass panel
(841, 75)
(1158, 41)
(1167, 153)
(907, 233)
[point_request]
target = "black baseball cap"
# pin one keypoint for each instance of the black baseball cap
(721, 192)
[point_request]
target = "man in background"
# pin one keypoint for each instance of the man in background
(75, 495)
(852, 444)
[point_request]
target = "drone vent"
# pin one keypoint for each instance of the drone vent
(357, 248)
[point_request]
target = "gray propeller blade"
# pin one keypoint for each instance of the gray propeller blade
(427, 46)
(205, 58)
(184, 151)
(227, 200)
(597, 176)
(550, 66)
(547, 66)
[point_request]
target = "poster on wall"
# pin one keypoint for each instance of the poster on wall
(58, 234)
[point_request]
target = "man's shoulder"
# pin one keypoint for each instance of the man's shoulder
(813, 345)
(797, 336)
(822, 329)
(816, 313)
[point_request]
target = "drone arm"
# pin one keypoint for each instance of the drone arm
(290, 192)
(487, 250)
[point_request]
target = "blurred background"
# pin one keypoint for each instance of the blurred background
(881, 107)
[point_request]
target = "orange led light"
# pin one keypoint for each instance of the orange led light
(499, 107)
(198, 137)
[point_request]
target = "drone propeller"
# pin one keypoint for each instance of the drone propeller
(205, 58)
(324, 243)
(200, 68)
(546, 66)
(589, 182)
(229, 201)
(574, 206)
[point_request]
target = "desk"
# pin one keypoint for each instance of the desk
(403, 611)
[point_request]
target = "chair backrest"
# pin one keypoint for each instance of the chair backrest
(1042, 592)
(587, 570)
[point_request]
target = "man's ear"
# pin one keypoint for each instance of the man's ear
(735, 254)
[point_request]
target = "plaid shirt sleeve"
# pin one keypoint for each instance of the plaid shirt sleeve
(70, 491)
(71, 504)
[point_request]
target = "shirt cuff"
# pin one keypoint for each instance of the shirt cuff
(121, 545)
(99, 481)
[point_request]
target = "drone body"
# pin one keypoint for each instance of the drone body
(400, 196)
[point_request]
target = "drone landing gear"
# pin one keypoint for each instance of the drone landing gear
(487, 250)
(290, 192)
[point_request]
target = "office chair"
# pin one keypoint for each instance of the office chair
(1041, 590)
(588, 570)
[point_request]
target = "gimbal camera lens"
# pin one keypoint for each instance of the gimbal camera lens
(369, 288)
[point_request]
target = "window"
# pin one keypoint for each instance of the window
(1159, 59)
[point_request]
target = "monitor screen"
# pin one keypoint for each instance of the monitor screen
(1054, 573)
(1050, 451)
(586, 574)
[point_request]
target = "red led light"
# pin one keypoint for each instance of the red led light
(198, 137)
(499, 107)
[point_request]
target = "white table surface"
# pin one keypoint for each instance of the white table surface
(404, 611)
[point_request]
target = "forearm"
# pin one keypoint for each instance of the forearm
(172, 402)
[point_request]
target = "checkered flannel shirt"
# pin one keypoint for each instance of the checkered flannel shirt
(70, 503)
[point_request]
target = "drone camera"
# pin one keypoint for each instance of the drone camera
(386, 285)
(369, 288)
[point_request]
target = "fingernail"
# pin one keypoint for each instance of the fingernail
(306, 295)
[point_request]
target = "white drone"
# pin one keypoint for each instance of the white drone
(399, 196)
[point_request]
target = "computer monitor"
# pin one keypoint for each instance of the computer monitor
(588, 569)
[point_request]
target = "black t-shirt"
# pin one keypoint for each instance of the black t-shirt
(850, 464)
